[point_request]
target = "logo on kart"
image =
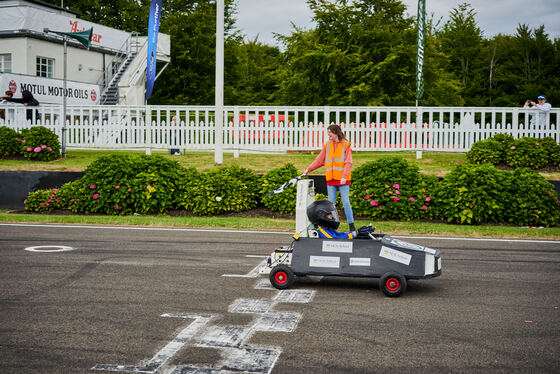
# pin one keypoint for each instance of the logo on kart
(324, 261)
(93, 95)
(394, 255)
(12, 86)
(342, 247)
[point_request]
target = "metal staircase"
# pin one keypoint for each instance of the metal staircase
(120, 63)
(110, 96)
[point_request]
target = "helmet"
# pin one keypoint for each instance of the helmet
(317, 213)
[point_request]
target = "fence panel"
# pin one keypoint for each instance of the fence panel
(282, 129)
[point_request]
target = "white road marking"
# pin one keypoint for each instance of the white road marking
(251, 306)
(237, 355)
(252, 274)
(267, 232)
(225, 336)
(277, 322)
(42, 248)
(152, 366)
(294, 296)
(264, 284)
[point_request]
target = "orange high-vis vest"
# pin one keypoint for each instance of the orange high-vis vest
(334, 160)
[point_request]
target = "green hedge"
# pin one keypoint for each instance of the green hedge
(10, 142)
(389, 188)
(284, 202)
(524, 152)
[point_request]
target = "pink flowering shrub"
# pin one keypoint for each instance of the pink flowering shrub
(391, 188)
(527, 152)
(487, 151)
(39, 143)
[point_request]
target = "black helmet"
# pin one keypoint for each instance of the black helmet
(318, 211)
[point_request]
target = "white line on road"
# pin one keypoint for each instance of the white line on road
(252, 274)
(267, 232)
(43, 248)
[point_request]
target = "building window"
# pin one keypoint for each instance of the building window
(5, 63)
(45, 67)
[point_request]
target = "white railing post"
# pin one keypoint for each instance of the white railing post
(236, 123)
(418, 132)
(148, 130)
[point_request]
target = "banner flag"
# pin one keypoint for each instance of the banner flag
(421, 22)
(153, 29)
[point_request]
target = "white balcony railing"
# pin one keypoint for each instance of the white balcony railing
(283, 129)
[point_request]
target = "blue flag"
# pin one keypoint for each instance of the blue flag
(153, 29)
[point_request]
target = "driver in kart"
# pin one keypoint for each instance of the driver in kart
(322, 214)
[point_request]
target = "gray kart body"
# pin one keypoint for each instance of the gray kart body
(370, 257)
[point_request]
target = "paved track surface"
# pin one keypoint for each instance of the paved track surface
(494, 309)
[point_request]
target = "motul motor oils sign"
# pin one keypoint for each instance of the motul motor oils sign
(49, 91)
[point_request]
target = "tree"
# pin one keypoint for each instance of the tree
(253, 75)
(462, 41)
(361, 53)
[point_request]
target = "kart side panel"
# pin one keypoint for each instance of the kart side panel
(358, 257)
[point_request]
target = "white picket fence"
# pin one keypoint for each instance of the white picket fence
(282, 129)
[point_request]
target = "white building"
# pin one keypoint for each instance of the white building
(113, 71)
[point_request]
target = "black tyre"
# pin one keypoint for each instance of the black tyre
(392, 284)
(281, 277)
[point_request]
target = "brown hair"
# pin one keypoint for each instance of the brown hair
(335, 129)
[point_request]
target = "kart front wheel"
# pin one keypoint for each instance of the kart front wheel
(392, 284)
(281, 277)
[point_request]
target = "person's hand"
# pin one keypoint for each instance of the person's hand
(305, 172)
(364, 231)
(343, 181)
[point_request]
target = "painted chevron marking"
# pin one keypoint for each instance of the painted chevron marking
(152, 366)
(252, 274)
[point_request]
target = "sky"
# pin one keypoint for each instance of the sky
(262, 18)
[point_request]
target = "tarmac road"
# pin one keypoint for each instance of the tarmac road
(494, 309)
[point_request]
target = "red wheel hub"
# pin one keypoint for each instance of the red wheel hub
(281, 277)
(392, 284)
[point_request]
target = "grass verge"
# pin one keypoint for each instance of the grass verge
(277, 224)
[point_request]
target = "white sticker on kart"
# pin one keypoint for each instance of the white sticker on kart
(394, 255)
(360, 261)
(408, 245)
(324, 261)
(340, 247)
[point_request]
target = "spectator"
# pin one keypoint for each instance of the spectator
(543, 107)
(7, 114)
(27, 99)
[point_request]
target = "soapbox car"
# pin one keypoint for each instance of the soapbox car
(380, 256)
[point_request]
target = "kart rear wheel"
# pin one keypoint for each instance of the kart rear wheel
(392, 284)
(281, 277)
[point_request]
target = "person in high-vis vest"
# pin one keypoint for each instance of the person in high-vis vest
(336, 156)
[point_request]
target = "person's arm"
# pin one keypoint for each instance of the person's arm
(347, 165)
(12, 100)
(333, 234)
(544, 108)
(319, 161)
